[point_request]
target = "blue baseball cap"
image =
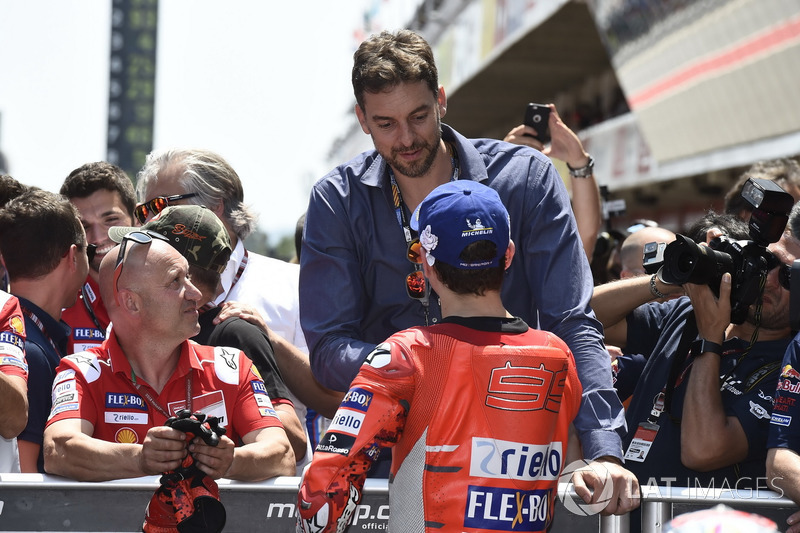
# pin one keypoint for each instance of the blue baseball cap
(455, 215)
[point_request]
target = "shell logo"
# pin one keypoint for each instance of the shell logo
(17, 325)
(126, 436)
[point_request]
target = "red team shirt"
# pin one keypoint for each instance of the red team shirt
(479, 424)
(97, 386)
(12, 337)
(87, 331)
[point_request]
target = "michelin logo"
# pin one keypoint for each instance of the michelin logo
(501, 509)
(493, 458)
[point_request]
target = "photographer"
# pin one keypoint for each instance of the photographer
(700, 410)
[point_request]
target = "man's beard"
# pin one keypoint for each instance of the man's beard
(422, 166)
(771, 318)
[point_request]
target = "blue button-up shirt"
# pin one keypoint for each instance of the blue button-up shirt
(354, 265)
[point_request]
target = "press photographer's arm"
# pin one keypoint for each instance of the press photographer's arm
(709, 438)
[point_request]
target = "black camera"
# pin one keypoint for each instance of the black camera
(748, 261)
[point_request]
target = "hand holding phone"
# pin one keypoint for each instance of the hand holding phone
(537, 116)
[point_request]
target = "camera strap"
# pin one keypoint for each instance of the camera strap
(688, 336)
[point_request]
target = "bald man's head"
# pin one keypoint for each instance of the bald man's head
(633, 249)
(151, 289)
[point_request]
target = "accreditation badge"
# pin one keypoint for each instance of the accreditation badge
(642, 442)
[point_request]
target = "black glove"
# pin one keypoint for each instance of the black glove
(188, 500)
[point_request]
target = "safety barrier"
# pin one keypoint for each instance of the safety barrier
(659, 504)
(33, 502)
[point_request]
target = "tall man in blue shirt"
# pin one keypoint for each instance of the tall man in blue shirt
(357, 285)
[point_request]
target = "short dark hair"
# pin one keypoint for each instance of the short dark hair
(92, 177)
(388, 59)
(36, 230)
(733, 226)
(10, 188)
(474, 281)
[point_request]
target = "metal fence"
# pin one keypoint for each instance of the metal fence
(33, 502)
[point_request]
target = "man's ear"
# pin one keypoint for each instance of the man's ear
(427, 269)
(362, 119)
(441, 100)
(128, 301)
(510, 253)
(72, 257)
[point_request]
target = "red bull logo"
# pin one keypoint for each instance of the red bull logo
(789, 372)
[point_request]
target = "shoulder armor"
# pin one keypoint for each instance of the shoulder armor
(390, 358)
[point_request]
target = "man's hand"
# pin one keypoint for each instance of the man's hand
(243, 311)
(213, 460)
(713, 314)
(525, 136)
(163, 449)
(589, 482)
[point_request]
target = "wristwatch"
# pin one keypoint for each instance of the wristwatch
(582, 172)
(705, 345)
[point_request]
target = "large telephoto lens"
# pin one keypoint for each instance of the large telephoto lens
(686, 262)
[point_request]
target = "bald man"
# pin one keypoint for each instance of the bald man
(110, 402)
(632, 249)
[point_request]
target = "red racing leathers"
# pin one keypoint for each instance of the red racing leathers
(478, 421)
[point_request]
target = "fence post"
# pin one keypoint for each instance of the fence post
(615, 523)
(654, 515)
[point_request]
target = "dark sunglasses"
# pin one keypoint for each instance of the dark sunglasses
(416, 286)
(91, 251)
(153, 207)
(785, 276)
(143, 236)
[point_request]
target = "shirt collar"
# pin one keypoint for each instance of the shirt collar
(230, 271)
(187, 360)
(58, 330)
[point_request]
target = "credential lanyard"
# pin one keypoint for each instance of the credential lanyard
(35, 319)
(154, 403)
(89, 309)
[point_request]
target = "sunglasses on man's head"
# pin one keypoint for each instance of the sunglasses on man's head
(153, 207)
(143, 236)
(416, 286)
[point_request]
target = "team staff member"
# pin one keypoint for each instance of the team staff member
(199, 235)
(456, 400)
(110, 403)
(13, 381)
(104, 197)
(45, 253)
